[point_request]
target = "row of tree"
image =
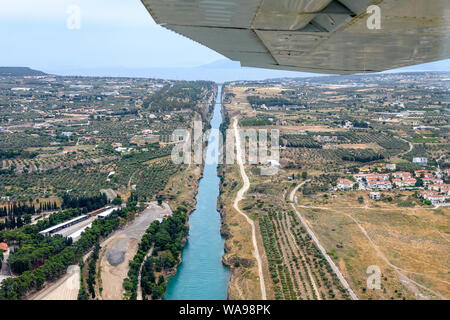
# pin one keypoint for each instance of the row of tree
(56, 265)
(85, 203)
(91, 238)
(167, 239)
(19, 214)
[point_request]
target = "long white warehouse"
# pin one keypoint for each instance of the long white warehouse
(64, 225)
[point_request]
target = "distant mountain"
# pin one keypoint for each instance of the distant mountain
(218, 71)
(20, 72)
(221, 64)
(443, 65)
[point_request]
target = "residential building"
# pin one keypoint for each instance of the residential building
(375, 196)
(379, 184)
(427, 181)
(438, 187)
(420, 160)
(402, 175)
(4, 246)
(345, 184)
(424, 173)
(411, 182)
(433, 196)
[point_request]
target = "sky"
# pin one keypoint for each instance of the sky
(117, 33)
(114, 37)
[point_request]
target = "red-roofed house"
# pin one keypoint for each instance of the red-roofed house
(436, 198)
(425, 173)
(402, 175)
(379, 184)
(345, 184)
(427, 181)
(405, 183)
(3, 246)
(438, 187)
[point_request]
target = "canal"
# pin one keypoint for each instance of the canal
(201, 275)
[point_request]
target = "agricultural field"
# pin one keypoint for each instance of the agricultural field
(68, 146)
(77, 136)
(297, 268)
(332, 128)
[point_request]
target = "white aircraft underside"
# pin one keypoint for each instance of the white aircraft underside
(323, 36)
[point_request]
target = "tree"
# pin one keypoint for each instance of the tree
(361, 199)
(167, 260)
(419, 182)
(117, 201)
(27, 218)
(157, 292)
(159, 198)
(304, 175)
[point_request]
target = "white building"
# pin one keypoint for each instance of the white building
(379, 184)
(375, 196)
(427, 181)
(433, 196)
(345, 184)
(122, 149)
(411, 182)
(402, 175)
(420, 160)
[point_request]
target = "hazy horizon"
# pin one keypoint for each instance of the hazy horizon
(116, 38)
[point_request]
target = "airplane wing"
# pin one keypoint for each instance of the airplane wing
(323, 36)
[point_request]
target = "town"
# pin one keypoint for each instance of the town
(430, 184)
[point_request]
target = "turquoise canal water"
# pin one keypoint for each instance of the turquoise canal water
(201, 275)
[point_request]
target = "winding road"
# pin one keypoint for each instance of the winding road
(238, 198)
(409, 283)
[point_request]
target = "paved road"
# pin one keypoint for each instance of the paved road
(238, 198)
(333, 266)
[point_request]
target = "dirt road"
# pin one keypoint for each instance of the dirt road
(65, 288)
(139, 288)
(238, 198)
(409, 283)
(333, 266)
(121, 247)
